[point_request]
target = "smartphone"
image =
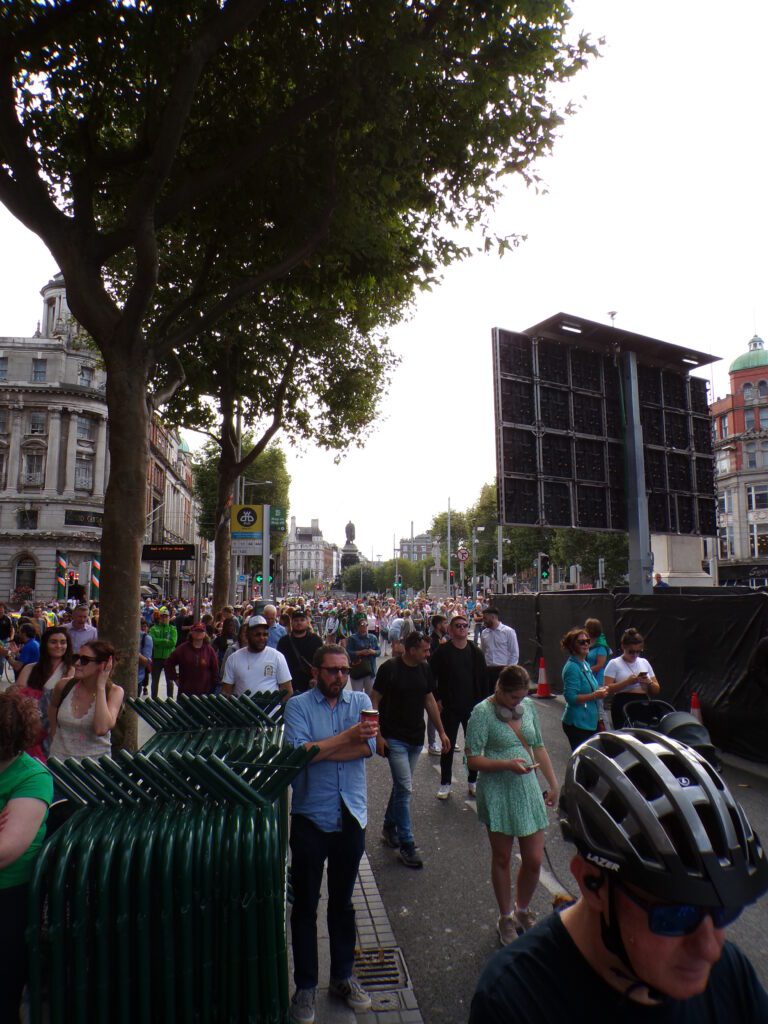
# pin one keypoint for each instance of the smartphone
(642, 675)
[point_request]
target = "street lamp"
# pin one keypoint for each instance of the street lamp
(475, 531)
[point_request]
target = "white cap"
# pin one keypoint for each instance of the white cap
(256, 620)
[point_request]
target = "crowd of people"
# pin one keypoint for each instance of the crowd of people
(633, 869)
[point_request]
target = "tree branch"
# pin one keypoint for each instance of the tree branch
(209, 258)
(48, 22)
(249, 285)
(158, 398)
(277, 416)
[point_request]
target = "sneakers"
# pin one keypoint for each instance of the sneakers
(507, 929)
(525, 919)
(436, 750)
(352, 992)
(303, 1006)
(410, 857)
(472, 789)
(444, 792)
(389, 836)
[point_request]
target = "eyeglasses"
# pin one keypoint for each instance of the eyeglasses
(84, 659)
(334, 670)
(582, 641)
(459, 625)
(671, 920)
(634, 650)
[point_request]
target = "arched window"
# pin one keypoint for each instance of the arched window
(762, 389)
(25, 573)
(748, 392)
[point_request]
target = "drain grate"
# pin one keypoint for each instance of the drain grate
(380, 968)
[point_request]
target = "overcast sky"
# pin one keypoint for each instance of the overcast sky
(656, 208)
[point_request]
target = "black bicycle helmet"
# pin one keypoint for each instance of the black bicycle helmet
(649, 810)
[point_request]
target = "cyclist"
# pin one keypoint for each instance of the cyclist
(666, 859)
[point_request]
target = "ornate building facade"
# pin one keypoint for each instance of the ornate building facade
(740, 424)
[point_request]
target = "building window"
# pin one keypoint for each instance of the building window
(33, 472)
(747, 392)
(83, 473)
(3, 420)
(85, 377)
(26, 519)
(758, 540)
(3, 367)
(86, 428)
(25, 573)
(39, 370)
(757, 497)
(749, 419)
(38, 422)
(725, 541)
(762, 389)
(723, 463)
(723, 426)
(750, 455)
(3, 467)
(764, 418)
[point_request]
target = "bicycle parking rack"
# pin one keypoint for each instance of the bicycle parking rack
(163, 897)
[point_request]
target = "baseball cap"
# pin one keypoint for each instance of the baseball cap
(199, 627)
(256, 620)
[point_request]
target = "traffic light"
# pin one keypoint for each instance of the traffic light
(259, 577)
(71, 577)
(544, 567)
(398, 581)
(271, 569)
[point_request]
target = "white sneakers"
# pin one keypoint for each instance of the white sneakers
(444, 792)
(472, 788)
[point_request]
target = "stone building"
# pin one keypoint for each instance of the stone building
(54, 463)
(305, 554)
(416, 549)
(740, 423)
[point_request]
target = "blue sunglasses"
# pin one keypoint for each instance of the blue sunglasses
(672, 920)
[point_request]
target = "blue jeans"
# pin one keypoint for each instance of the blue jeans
(402, 762)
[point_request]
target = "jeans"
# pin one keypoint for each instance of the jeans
(402, 763)
(310, 848)
(451, 722)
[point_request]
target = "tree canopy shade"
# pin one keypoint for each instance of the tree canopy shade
(178, 157)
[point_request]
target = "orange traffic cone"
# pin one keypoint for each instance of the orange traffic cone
(696, 708)
(543, 691)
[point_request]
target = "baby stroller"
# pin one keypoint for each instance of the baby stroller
(678, 725)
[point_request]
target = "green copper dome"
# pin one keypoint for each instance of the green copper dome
(757, 356)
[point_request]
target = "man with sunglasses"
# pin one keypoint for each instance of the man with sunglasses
(666, 859)
(329, 814)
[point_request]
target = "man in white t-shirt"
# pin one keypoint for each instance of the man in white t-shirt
(257, 668)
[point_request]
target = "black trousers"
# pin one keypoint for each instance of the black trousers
(577, 736)
(157, 668)
(13, 950)
(310, 848)
(452, 719)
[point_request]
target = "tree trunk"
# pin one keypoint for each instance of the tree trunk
(125, 513)
(223, 541)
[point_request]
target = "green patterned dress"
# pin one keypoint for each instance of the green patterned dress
(507, 802)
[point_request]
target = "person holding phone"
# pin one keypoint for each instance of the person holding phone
(505, 747)
(629, 677)
(83, 710)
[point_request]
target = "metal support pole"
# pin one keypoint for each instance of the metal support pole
(499, 556)
(266, 587)
(474, 563)
(640, 558)
(450, 588)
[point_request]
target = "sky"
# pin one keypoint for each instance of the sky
(655, 207)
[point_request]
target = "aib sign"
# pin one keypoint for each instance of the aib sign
(247, 521)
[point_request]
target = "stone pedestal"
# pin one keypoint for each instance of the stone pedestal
(679, 559)
(437, 584)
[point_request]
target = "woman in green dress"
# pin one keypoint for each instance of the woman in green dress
(504, 745)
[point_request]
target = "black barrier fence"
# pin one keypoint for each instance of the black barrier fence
(698, 641)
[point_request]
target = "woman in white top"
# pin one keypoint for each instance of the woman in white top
(82, 719)
(629, 677)
(39, 679)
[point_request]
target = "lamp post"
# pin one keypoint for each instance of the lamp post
(475, 531)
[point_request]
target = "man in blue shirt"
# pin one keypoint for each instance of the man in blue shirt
(363, 650)
(328, 820)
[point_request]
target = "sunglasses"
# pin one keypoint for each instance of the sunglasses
(84, 659)
(672, 920)
(582, 641)
(333, 670)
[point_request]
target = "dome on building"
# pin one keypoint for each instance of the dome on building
(756, 356)
(183, 446)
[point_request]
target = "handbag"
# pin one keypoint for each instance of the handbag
(360, 668)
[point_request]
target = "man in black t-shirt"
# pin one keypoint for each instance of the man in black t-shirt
(459, 670)
(6, 626)
(666, 860)
(403, 690)
(298, 648)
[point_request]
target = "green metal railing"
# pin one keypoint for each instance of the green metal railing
(163, 897)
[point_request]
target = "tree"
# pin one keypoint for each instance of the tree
(584, 548)
(177, 158)
(351, 576)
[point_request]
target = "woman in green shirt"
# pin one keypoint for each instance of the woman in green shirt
(26, 791)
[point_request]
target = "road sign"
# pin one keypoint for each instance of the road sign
(462, 554)
(277, 519)
(247, 521)
(249, 546)
(242, 578)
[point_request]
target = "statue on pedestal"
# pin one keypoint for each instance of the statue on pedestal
(436, 551)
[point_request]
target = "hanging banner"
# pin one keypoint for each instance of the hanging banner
(95, 579)
(61, 576)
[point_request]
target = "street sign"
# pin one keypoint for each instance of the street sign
(247, 521)
(242, 578)
(251, 546)
(462, 554)
(277, 519)
(167, 552)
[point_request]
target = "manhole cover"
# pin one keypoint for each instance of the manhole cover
(380, 968)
